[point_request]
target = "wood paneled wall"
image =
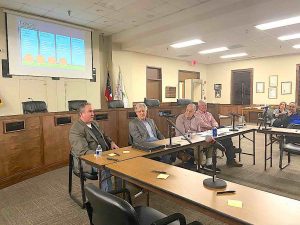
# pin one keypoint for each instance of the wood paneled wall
(43, 144)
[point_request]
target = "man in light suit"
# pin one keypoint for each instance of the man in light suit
(85, 135)
(143, 129)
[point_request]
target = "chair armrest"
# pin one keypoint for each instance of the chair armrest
(123, 190)
(171, 218)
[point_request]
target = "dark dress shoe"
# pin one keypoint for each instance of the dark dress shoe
(234, 164)
(210, 168)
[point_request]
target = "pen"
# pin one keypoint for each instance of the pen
(225, 192)
(157, 171)
(116, 153)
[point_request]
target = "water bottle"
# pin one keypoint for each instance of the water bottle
(98, 151)
(214, 132)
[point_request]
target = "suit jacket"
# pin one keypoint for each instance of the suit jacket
(83, 141)
(138, 132)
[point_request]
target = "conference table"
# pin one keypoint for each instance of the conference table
(272, 131)
(186, 188)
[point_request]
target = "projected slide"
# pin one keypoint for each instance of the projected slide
(52, 50)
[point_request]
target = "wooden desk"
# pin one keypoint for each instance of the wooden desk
(251, 114)
(275, 131)
(186, 188)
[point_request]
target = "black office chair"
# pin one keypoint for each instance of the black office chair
(105, 208)
(151, 102)
(34, 107)
(115, 104)
(83, 176)
(291, 145)
(74, 105)
(182, 101)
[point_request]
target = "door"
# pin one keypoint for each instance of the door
(241, 87)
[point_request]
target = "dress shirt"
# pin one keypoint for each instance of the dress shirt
(185, 124)
(148, 127)
(207, 121)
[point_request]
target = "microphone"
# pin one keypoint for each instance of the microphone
(166, 114)
(214, 143)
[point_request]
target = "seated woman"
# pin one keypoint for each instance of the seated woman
(280, 114)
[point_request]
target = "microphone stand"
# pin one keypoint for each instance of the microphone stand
(172, 124)
(214, 182)
(233, 123)
(264, 121)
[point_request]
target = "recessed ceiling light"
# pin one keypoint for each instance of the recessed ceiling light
(296, 46)
(289, 37)
(187, 43)
(234, 55)
(213, 50)
(279, 23)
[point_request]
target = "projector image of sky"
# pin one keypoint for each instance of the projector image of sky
(45, 49)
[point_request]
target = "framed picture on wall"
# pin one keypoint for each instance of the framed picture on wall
(286, 87)
(273, 81)
(260, 87)
(272, 93)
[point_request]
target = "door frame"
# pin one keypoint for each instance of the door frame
(297, 84)
(251, 83)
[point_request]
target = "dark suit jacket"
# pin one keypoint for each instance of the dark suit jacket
(83, 141)
(138, 132)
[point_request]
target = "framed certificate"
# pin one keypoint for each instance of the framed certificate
(286, 87)
(260, 87)
(273, 81)
(272, 93)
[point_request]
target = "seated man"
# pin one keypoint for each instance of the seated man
(187, 122)
(143, 129)
(207, 122)
(293, 117)
(85, 136)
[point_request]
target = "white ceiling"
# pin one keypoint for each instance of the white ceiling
(150, 26)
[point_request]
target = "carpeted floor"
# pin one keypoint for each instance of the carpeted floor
(44, 199)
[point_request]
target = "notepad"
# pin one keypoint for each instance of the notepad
(235, 203)
(162, 176)
(112, 154)
(126, 152)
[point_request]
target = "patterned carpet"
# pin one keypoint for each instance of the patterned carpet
(44, 199)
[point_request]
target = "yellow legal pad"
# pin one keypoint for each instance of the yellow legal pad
(111, 154)
(126, 152)
(235, 203)
(162, 176)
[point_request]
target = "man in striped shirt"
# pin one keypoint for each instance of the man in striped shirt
(207, 122)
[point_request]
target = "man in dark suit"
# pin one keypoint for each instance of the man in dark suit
(85, 136)
(143, 129)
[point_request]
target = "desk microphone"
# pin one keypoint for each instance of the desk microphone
(214, 143)
(166, 114)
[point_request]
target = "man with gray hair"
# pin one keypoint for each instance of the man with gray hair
(85, 136)
(188, 122)
(143, 129)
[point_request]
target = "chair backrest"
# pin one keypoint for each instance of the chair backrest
(34, 107)
(183, 101)
(151, 102)
(74, 104)
(109, 209)
(115, 104)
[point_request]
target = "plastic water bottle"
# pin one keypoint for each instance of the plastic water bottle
(214, 132)
(98, 151)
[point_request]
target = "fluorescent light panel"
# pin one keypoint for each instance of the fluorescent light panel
(296, 46)
(289, 37)
(213, 50)
(187, 43)
(279, 23)
(234, 55)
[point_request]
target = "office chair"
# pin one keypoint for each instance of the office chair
(183, 101)
(151, 102)
(83, 176)
(115, 104)
(74, 105)
(289, 145)
(105, 208)
(34, 107)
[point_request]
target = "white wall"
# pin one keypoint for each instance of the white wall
(56, 93)
(133, 67)
(283, 66)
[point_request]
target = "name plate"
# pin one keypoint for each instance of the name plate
(62, 120)
(131, 115)
(103, 116)
(14, 126)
